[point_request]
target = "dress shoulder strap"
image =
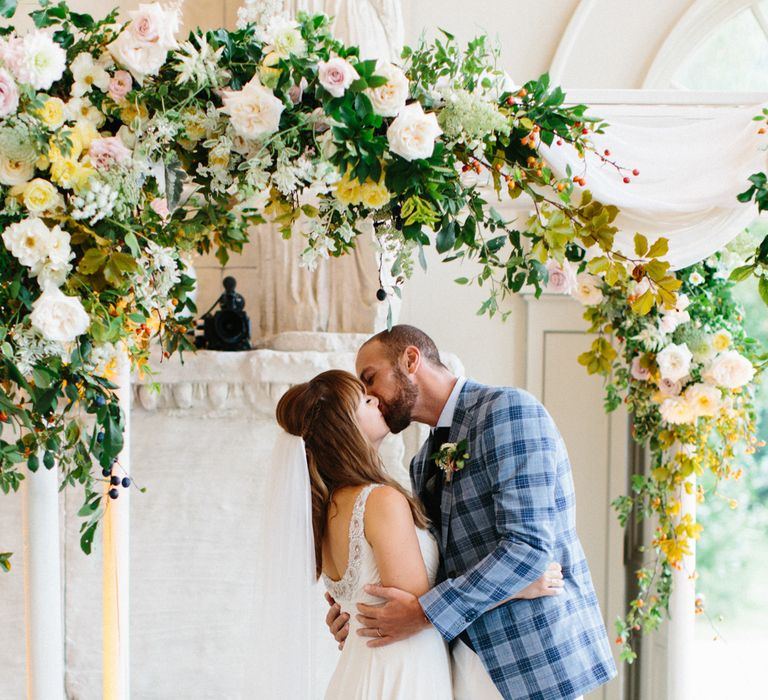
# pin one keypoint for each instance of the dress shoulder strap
(357, 521)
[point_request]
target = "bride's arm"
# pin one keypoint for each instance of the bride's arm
(390, 530)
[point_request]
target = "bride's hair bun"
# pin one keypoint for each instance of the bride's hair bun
(292, 409)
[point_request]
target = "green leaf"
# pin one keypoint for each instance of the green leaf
(446, 237)
(92, 261)
(659, 248)
(132, 243)
(762, 287)
(5, 564)
(741, 273)
(641, 245)
(7, 9)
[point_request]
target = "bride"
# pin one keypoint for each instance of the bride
(366, 529)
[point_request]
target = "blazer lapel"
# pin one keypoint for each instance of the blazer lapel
(459, 431)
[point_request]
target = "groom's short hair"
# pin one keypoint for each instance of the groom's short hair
(401, 336)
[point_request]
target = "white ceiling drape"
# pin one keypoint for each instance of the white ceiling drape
(689, 177)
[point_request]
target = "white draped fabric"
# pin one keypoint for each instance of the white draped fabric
(689, 177)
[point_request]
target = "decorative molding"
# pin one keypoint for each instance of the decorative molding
(570, 39)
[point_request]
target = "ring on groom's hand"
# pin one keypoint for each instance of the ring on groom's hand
(378, 631)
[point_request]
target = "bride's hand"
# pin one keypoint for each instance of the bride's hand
(550, 583)
(337, 621)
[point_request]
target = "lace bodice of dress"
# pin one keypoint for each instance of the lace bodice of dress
(361, 567)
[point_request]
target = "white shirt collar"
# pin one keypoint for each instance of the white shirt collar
(446, 417)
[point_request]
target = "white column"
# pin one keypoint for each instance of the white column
(116, 537)
(42, 585)
(682, 612)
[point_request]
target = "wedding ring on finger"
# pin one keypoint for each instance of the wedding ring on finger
(378, 631)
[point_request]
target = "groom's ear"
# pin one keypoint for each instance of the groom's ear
(412, 359)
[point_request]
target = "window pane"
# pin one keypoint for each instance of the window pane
(733, 57)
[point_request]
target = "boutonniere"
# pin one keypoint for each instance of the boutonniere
(451, 457)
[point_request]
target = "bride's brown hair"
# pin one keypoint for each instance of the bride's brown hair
(323, 411)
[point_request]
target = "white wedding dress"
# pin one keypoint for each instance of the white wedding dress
(417, 667)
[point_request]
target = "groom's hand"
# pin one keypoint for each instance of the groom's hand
(401, 616)
(337, 621)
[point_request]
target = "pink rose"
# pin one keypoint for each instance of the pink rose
(296, 92)
(104, 153)
(120, 85)
(159, 205)
(9, 94)
(562, 279)
(642, 374)
(670, 388)
(12, 54)
(336, 75)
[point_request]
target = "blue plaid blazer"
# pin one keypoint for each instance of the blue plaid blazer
(505, 517)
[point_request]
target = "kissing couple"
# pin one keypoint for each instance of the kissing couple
(474, 586)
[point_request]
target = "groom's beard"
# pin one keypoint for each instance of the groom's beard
(398, 410)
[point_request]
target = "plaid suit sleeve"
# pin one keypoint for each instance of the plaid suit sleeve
(519, 445)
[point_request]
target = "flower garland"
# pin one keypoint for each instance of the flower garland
(686, 376)
(122, 149)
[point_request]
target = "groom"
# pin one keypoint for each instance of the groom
(500, 521)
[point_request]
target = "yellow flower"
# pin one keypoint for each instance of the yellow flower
(82, 176)
(132, 111)
(52, 113)
(40, 196)
(721, 340)
(81, 135)
(65, 172)
(220, 158)
(375, 194)
(349, 190)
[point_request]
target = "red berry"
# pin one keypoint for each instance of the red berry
(607, 152)
(626, 180)
(559, 142)
(585, 130)
(635, 172)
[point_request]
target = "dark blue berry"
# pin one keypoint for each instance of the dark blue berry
(115, 480)
(381, 295)
(113, 493)
(100, 436)
(106, 472)
(126, 482)
(99, 400)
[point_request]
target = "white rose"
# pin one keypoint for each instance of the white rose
(721, 340)
(389, 99)
(29, 241)
(588, 289)
(704, 399)
(562, 278)
(336, 75)
(43, 60)
(59, 317)
(672, 319)
(677, 410)
(412, 135)
(254, 111)
(14, 172)
(153, 24)
(139, 57)
(731, 370)
(674, 361)
(284, 38)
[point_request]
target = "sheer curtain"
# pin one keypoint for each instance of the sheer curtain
(689, 177)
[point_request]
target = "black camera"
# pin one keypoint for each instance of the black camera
(229, 328)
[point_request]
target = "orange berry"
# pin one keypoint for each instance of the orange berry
(761, 130)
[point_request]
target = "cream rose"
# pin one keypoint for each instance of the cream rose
(140, 58)
(40, 196)
(59, 317)
(389, 99)
(29, 241)
(588, 289)
(731, 370)
(412, 135)
(677, 411)
(153, 24)
(704, 399)
(674, 361)
(642, 374)
(14, 172)
(254, 111)
(336, 75)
